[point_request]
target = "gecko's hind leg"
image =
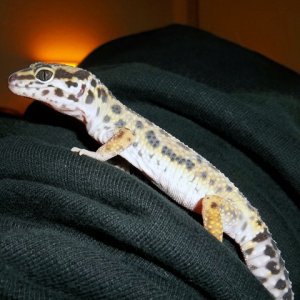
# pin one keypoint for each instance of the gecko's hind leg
(211, 214)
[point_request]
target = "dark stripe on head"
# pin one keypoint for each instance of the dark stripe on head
(26, 77)
(63, 74)
(82, 74)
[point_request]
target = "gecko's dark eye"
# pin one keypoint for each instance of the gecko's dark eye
(44, 75)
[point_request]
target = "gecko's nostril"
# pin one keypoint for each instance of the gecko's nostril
(12, 77)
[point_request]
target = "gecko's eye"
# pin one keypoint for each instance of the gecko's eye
(44, 75)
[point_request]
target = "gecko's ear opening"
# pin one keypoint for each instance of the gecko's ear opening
(44, 75)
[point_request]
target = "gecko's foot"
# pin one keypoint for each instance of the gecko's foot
(79, 150)
(96, 155)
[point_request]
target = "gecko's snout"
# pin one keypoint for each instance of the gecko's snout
(12, 78)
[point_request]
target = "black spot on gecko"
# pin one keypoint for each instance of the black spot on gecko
(249, 251)
(63, 74)
(243, 239)
(93, 83)
(262, 279)
(82, 74)
(120, 123)
(70, 83)
(73, 98)
(228, 188)
(182, 161)
(212, 182)
(82, 90)
(139, 124)
(104, 96)
(98, 111)
(270, 251)
(189, 164)
(58, 92)
(173, 156)
(116, 109)
(252, 267)
(259, 222)
(273, 267)
(89, 98)
(106, 119)
(99, 92)
(213, 205)
(219, 190)
(152, 139)
(164, 150)
(262, 236)
(244, 226)
(45, 92)
(280, 284)
(204, 175)
(178, 158)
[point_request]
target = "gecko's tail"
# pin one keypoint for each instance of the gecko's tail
(264, 260)
(243, 223)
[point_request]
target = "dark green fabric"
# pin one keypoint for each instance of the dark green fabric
(75, 228)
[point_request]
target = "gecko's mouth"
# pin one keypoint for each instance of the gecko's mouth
(16, 89)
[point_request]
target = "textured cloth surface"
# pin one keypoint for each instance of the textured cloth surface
(75, 228)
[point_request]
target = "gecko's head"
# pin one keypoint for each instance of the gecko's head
(65, 88)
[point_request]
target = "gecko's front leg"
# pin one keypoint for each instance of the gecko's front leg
(121, 140)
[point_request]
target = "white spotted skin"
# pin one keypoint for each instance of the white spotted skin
(176, 169)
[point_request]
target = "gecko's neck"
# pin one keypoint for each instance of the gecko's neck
(98, 116)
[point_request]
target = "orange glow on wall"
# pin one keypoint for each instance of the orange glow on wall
(60, 48)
